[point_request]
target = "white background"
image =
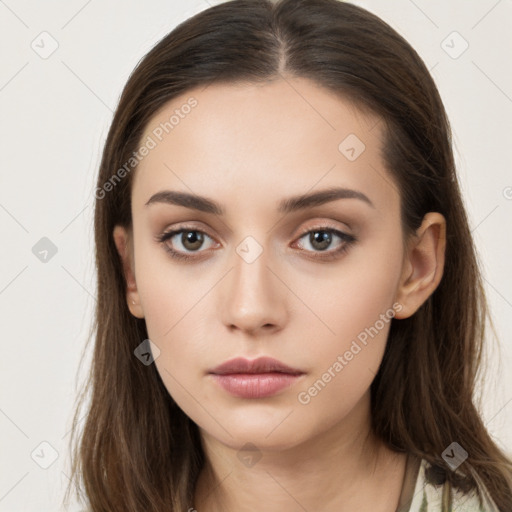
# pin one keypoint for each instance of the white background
(55, 114)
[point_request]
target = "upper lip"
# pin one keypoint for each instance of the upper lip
(260, 365)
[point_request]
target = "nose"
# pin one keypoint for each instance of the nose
(253, 298)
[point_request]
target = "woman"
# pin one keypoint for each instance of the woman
(290, 312)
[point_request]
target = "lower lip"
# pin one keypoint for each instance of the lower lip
(255, 385)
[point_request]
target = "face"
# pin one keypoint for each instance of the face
(255, 268)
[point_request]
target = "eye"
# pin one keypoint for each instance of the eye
(320, 239)
(183, 241)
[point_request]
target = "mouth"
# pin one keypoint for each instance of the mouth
(261, 365)
(259, 378)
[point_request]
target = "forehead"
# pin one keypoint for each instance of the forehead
(252, 140)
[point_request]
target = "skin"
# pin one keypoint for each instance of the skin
(248, 147)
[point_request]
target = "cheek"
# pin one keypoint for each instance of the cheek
(345, 363)
(351, 296)
(169, 292)
(175, 303)
(355, 306)
(173, 324)
(178, 326)
(174, 313)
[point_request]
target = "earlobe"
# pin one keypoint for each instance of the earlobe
(423, 264)
(122, 240)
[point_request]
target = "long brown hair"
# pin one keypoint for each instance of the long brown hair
(137, 449)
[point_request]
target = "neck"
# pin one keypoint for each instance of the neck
(342, 468)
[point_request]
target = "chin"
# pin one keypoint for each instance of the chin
(265, 434)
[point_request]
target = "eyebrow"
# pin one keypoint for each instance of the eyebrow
(291, 204)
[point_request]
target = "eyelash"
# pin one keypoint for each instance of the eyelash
(348, 241)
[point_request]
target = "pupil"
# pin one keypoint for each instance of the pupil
(192, 240)
(320, 239)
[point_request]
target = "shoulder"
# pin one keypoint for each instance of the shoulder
(430, 496)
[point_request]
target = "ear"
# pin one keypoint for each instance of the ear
(423, 264)
(124, 245)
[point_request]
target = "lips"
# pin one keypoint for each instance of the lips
(260, 365)
(259, 378)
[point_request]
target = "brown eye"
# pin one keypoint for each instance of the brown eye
(192, 240)
(182, 243)
(320, 240)
(324, 243)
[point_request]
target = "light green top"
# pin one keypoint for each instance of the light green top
(419, 494)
